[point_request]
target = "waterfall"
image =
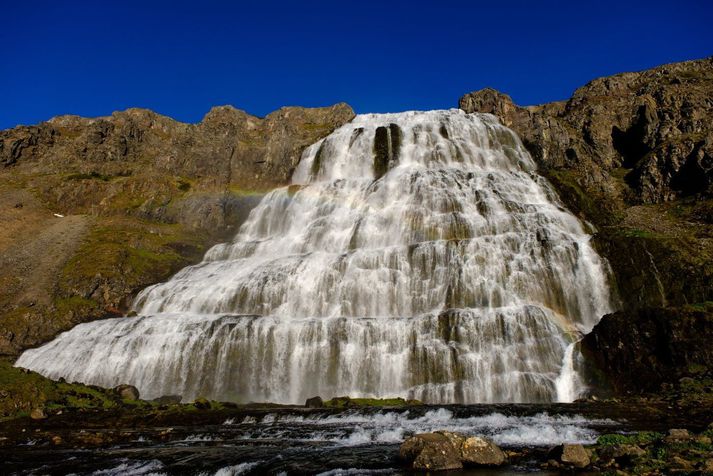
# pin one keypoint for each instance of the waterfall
(415, 254)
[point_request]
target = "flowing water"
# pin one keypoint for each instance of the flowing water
(416, 254)
(291, 441)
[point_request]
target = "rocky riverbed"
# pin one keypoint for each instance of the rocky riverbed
(219, 438)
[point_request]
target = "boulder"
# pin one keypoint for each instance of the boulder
(38, 414)
(570, 455)
(479, 451)
(314, 402)
(127, 392)
(430, 451)
(443, 450)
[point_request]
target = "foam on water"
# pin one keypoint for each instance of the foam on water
(133, 468)
(393, 427)
(416, 254)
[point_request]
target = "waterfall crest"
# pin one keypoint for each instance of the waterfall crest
(415, 254)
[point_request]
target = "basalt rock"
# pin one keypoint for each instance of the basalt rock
(314, 402)
(654, 126)
(640, 350)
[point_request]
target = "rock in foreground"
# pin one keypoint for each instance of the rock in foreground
(444, 450)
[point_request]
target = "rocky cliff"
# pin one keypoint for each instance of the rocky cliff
(633, 155)
(93, 210)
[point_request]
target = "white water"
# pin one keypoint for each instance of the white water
(357, 429)
(455, 277)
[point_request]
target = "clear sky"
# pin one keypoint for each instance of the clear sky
(180, 58)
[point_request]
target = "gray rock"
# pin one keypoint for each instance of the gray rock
(314, 402)
(127, 392)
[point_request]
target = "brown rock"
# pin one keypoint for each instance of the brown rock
(570, 455)
(677, 434)
(679, 463)
(449, 450)
(38, 414)
(430, 451)
(478, 451)
(655, 123)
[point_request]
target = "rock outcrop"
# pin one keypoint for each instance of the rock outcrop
(652, 127)
(632, 154)
(640, 349)
(94, 210)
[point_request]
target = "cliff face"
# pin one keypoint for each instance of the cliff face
(651, 129)
(140, 195)
(633, 155)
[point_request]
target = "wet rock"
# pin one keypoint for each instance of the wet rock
(314, 402)
(438, 457)
(479, 451)
(449, 450)
(570, 455)
(168, 399)
(127, 392)
(38, 414)
(641, 349)
(430, 451)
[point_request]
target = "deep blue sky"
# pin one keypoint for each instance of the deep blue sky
(180, 58)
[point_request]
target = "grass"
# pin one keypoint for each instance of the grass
(21, 391)
(136, 253)
(642, 438)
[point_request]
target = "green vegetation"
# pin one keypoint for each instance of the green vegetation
(642, 438)
(597, 209)
(21, 391)
(636, 233)
(131, 252)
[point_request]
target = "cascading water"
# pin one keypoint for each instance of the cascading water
(416, 254)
